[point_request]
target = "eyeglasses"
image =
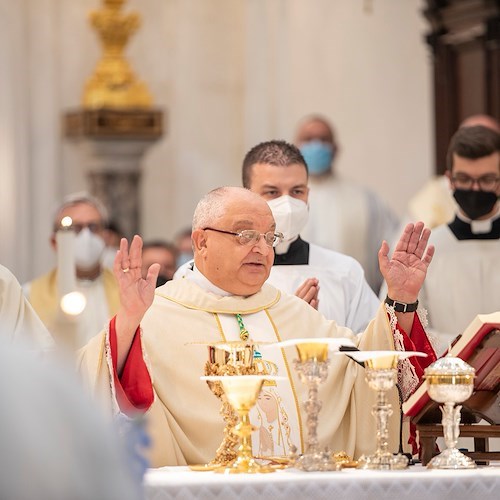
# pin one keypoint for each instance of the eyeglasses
(252, 236)
(486, 182)
(93, 227)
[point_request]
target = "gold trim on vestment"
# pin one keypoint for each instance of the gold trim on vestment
(222, 311)
(294, 392)
(115, 407)
(219, 327)
(102, 352)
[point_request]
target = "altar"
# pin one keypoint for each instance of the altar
(416, 482)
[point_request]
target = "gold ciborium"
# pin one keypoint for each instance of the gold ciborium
(381, 375)
(312, 368)
(450, 381)
(226, 359)
(241, 392)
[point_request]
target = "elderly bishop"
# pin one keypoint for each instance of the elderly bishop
(143, 362)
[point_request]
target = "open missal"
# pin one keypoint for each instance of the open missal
(479, 345)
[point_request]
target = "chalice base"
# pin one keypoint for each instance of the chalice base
(451, 458)
(244, 465)
(203, 467)
(316, 461)
(383, 461)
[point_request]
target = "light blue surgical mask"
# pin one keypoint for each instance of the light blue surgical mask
(318, 156)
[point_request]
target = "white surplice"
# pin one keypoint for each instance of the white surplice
(462, 281)
(344, 295)
(350, 219)
(18, 321)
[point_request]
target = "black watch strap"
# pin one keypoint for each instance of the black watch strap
(401, 307)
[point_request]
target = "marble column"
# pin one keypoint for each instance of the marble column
(112, 144)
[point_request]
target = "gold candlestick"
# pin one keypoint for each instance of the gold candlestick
(242, 392)
(450, 381)
(72, 302)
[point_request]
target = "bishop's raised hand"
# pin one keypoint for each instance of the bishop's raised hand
(136, 293)
(405, 271)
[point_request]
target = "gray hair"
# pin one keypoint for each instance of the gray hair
(210, 208)
(76, 199)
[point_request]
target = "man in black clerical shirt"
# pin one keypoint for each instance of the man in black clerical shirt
(331, 282)
(465, 278)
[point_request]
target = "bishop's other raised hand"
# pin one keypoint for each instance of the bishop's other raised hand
(405, 271)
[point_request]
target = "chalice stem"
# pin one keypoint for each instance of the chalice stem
(313, 406)
(451, 423)
(244, 429)
(382, 411)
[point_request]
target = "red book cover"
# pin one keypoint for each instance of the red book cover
(484, 363)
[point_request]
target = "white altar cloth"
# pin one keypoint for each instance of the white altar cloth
(417, 482)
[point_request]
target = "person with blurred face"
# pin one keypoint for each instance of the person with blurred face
(331, 282)
(150, 358)
(343, 215)
(112, 235)
(465, 278)
(183, 246)
(56, 444)
(163, 253)
(96, 283)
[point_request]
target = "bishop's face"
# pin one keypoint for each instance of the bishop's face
(240, 269)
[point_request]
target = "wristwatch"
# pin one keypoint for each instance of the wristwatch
(401, 307)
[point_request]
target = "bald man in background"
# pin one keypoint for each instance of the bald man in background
(343, 215)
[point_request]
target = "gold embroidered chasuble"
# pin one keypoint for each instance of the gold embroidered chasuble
(184, 421)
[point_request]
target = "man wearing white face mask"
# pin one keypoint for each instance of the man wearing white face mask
(97, 284)
(331, 282)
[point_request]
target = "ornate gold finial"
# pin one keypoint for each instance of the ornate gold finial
(114, 84)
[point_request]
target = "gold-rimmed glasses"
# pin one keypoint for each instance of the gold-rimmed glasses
(252, 236)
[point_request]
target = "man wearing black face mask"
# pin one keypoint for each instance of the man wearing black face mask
(465, 277)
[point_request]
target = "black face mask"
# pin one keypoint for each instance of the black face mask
(161, 280)
(475, 204)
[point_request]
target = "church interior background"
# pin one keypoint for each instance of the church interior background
(226, 75)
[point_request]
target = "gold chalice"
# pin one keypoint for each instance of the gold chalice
(381, 375)
(241, 392)
(226, 359)
(450, 381)
(312, 368)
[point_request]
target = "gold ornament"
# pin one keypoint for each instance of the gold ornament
(114, 84)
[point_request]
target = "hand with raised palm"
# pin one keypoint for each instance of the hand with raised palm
(405, 271)
(136, 292)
